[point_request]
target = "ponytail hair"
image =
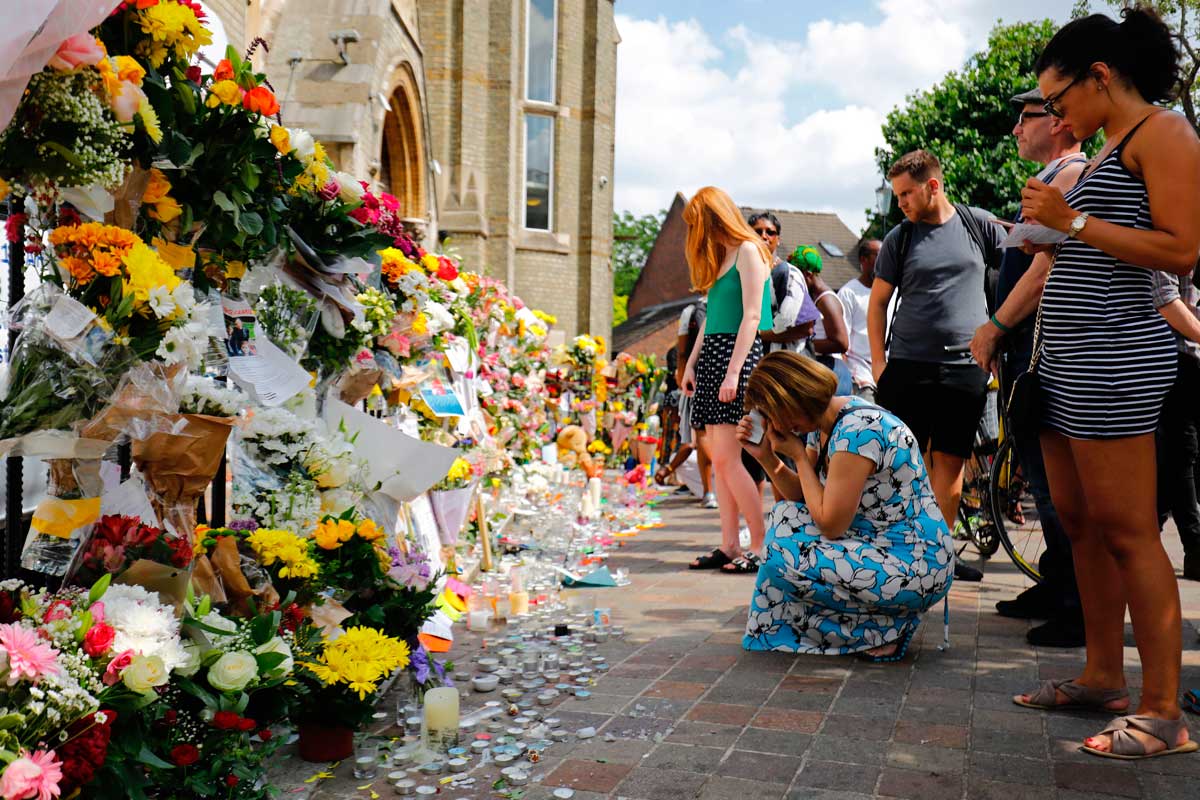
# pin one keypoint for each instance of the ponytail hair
(1141, 48)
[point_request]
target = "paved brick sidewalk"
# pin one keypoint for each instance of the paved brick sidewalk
(764, 725)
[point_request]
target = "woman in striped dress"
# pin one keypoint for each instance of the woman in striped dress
(1107, 360)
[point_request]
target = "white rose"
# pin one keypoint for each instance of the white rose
(144, 673)
(302, 143)
(194, 655)
(350, 190)
(278, 645)
(233, 671)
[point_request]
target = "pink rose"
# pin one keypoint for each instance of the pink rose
(80, 50)
(127, 102)
(57, 610)
(97, 610)
(112, 675)
(33, 775)
(98, 640)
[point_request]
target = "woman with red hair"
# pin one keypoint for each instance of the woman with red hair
(730, 263)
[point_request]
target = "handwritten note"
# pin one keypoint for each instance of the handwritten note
(271, 376)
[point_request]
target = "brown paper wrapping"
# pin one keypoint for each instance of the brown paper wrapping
(179, 466)
(356, 385)
(127, 198)
(226, 562)
(170, 582)
(206, 581)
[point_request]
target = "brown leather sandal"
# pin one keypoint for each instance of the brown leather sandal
(1128, 747)
(1078, 696)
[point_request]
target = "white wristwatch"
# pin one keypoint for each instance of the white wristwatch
(1077, 225)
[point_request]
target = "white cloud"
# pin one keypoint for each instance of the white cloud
(685, 121)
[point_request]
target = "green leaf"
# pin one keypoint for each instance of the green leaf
(149, 759)
(267, 662)
(85, 623)
(251, 223)
(67, 155)
(263, 628)
(205, 606)
(222, 201)
(187, 98)
(190, 686)
(99, 588)
(250, 175)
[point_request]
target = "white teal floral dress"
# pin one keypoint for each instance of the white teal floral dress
(866, 589)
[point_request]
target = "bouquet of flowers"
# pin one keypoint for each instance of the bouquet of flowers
(272, 484)
(288, 316)
(138, 553)
(451, 500)
(342, 675)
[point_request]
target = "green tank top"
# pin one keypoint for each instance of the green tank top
(725, 304)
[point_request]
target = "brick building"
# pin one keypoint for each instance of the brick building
(664, 287)
(490, 120)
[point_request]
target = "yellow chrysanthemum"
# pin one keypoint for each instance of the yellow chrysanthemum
(285, 548)
(360, 658)
(147, 271)
(430, 262)
(420, 324)
(549, 319)
(149, 118)
(174, 30)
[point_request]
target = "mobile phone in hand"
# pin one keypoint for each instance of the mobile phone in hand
(758, 428)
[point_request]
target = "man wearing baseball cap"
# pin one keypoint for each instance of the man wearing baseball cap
(1009, 335)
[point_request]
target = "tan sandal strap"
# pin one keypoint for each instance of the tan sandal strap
(1045, 695)
(1090, 696)
(1124, 743)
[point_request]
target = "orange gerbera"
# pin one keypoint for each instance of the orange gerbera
(81, 271)
(106, 263)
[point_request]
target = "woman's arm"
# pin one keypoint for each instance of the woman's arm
(1167, 153)
(833, 317)
(752, 273)
(784, 481)
(834, 504)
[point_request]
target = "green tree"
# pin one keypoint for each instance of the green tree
(633, 236)
(967, 120)
(620, 309)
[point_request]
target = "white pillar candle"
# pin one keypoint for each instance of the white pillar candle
(585, 506)
(441, 719)
(595, 490)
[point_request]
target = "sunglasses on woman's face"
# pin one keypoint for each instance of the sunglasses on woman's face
(1051, 104)
(766, 232)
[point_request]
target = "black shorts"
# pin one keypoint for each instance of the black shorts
(941, 403)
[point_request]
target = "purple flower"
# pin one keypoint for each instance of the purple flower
(441, 673)
(419, 662)
(243, 525)
(411, 570)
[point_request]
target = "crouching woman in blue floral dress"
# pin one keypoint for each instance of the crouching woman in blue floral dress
(858, 550)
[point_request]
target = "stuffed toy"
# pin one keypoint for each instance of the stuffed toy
(572, 448)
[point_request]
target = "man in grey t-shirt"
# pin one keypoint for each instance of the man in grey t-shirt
(941, 278)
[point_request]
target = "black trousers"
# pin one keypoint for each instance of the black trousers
(1178, 451)
(1056, 563)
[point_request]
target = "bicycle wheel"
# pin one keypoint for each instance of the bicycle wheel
(974, 510)
(1015, 515)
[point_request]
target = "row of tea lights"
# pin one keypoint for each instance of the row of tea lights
(544, 672)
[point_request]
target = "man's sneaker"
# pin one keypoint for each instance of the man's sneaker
(709, 501)
(1033, 603)
(1064, 630)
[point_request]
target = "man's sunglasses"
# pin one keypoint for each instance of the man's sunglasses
(1025, 116)
(766, 232)
(1051, 104)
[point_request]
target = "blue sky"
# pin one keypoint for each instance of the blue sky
(780, 102)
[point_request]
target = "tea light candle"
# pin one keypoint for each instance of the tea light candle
(397, 776)
(405, 787)
(552, 722)
(489, 664)
(426, 791)
(479, 746)
(432, 768)
(583, 694)
(546, 698)
(485, 683)
(402, 758)
(558, 735)
(504, 759)
(564, 794)
(518, 778)
(457, 764)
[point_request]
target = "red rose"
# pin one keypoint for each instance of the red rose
(265, 734)
(184, 755)
(246, 724)
(194, 74)
(226, 720)
(231, 781)
(446, 269)
(98, 640)
(367, 216)
(171, 717)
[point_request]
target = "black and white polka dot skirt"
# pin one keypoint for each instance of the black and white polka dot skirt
(710, 371)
